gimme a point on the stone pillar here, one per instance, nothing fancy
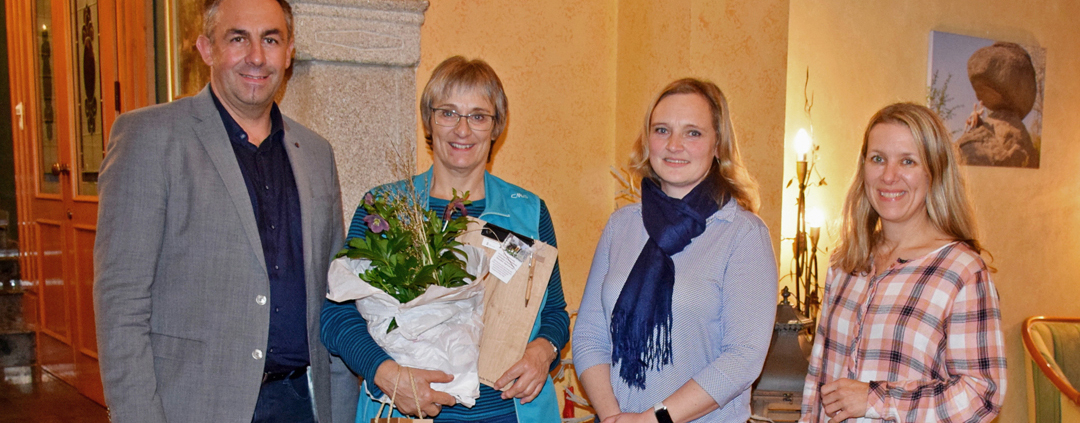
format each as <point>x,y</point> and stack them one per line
<point>354,83</point>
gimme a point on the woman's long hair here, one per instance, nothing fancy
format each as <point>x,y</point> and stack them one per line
<point>947,203</point>
<point>727,170</point>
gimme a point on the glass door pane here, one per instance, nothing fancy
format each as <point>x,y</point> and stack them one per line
<point>88,105</point>
<point>47,129</point>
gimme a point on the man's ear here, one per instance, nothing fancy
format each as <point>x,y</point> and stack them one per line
<point>289,55</point>
<point>205,50</point>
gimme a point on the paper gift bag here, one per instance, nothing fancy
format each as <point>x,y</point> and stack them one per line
<point>400,420</point>
<point>508,315</point>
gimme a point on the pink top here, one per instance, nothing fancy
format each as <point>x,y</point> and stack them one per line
<point>925,333</point>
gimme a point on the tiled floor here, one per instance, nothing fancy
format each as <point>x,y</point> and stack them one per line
<point>47,400</point>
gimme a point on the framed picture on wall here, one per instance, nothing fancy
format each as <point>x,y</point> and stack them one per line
<point>990,95</point>
<point>185,72</point>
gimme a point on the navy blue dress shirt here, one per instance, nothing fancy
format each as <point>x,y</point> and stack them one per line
<point>272,187</point>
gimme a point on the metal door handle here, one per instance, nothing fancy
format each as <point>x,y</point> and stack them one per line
<point>60,168</point>
<point>19,113</point>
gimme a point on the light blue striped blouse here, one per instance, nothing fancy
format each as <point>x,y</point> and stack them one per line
<point>723,308</point>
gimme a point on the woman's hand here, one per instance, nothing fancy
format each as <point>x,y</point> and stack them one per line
<point>528,374</point>
<point>642,417</point>
<point>431,401</point>
<point>845,399</point>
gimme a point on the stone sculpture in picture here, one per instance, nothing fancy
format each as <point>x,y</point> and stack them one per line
<point>1004,81</point>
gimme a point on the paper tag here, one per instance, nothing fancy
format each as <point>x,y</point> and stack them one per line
<point>490,243</point>
<point>508,258</point>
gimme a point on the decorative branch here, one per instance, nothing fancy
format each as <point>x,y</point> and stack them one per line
<point>630,191</point>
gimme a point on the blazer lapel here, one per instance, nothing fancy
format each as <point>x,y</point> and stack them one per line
<point>298,159</point>
<point>211,133</point>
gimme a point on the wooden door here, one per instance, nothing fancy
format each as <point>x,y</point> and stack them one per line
<point>66,83</point>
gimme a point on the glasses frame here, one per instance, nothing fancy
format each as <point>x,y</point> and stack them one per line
<point>435,119</point>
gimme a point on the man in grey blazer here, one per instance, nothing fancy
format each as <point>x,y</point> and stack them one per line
<point>218,218</point>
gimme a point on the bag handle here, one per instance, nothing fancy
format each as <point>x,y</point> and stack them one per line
<point>393,396</point>
<point>414,394</point>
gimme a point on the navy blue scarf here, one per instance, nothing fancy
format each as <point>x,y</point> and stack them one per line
<point>641,320</point>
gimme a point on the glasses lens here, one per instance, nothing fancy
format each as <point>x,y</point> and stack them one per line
<point>444,117</point>
<point>480,122</point>
<point>476,121</point>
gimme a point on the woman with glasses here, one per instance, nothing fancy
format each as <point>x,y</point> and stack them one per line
<point>910,328</point>
<point>679,306</point>
<point>464,110</point>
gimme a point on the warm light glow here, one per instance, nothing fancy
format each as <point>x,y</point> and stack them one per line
<point>43,28</point>
<point>803,143</point>
<point>814,217</point>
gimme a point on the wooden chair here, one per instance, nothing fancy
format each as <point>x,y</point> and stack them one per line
<point>1053,368</point>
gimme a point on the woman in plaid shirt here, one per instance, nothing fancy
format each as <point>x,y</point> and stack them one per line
<point>910,329</point>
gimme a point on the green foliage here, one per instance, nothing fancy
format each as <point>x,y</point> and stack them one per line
<point>412,248</point>
<point>938,99</point>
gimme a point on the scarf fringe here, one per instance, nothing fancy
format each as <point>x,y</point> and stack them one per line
<point>637,353</point>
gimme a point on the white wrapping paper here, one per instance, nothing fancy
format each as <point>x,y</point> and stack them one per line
<point>439,330</point>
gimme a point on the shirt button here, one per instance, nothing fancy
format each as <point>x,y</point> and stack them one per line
<point>266,187</point>
<point>277,309</point>
<point>273,226</point>
<point>257,354</point>
<point>276,267</point>
<point>260,299</point>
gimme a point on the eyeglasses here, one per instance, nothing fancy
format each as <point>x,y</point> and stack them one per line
<point>476,121</point>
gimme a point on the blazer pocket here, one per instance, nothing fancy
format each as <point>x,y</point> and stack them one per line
<point>174,348</point>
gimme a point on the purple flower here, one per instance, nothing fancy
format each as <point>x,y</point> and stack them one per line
<point>369,199</point>
<point>376,223</point>
<point>458,204</point>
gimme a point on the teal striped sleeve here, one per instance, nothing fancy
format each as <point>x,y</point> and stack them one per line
<point>554,320</point>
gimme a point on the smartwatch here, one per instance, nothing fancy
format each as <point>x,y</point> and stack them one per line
<point>661,412</point>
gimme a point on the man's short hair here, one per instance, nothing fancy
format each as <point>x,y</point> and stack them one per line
<point>210,8</point>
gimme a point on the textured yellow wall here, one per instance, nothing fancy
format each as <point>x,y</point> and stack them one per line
<point>864,55</point>
<point>556,62</point>
<point>579,75</point>
<point>740,45</point>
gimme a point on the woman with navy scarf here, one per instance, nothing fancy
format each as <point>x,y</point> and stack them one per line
<point>679,306</point>
<point>464,110</point>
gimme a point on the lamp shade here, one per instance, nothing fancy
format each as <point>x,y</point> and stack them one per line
<point>814,217</point>
<point>803,143</point>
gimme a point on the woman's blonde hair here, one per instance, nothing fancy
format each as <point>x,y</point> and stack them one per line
<point>947,203</point>
<point>727,171</point>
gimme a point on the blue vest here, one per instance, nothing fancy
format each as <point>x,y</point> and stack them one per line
<point>511,207</point>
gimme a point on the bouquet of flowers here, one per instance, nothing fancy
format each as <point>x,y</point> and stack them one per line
<point>418,287</point>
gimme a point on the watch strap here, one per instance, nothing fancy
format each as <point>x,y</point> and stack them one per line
<point>661,412</point>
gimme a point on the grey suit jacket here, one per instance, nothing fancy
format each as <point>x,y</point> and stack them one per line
<point>181,291</point>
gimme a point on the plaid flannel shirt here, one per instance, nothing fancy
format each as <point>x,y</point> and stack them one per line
<point>925,334</point>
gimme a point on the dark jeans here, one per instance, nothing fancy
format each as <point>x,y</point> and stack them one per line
<point>284,401</point>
